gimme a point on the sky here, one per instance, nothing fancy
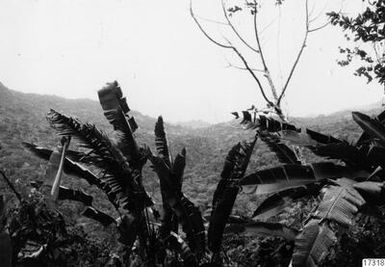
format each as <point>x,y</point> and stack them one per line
<point>165,65</point>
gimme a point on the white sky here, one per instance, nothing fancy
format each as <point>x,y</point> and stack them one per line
<point>164,64</point>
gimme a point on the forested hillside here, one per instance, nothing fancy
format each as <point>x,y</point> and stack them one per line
<point>23,119</point>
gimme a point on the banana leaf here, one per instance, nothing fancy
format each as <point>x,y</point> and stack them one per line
<point>364,138</point>
<point>374,128</point>
<point>76,195</point>
<point>70,166</point>
<point>312,244</point>
<point>328,147</point>
<point>275,203</point>
<point>340,202</point>
<point>322,138</point>
<point>263,123</point>
<point>116,111</point>
<point>262,228</point>
<point>289,175</point>
<point>188,214</point>
<point>373,192</point>
<point>283,152</point>
<point>224,196</point>
<point>122,183</point>
<point>98,216</point>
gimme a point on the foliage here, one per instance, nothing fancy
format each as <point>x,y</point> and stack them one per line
<point>367,28</point>
<point>303,194</point>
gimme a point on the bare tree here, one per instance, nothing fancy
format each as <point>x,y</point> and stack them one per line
<point>239,44</point>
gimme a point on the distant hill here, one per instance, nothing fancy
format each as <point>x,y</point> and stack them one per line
<point>22,118</point>
<point>194,124</point>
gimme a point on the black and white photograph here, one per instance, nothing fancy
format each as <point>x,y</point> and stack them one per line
<point>192,133</point>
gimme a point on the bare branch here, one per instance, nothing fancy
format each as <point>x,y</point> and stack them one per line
<point>203,31</point>
<point>235,30</point>
<point>253,75</point>
<point>211,20</point>
<point>230,65</point>
<point>230,46</point>
<point>298,55</point>
<point>319,28</point>
<point>268,76</point>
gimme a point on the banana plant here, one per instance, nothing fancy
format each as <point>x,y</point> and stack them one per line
<point>345,189</point>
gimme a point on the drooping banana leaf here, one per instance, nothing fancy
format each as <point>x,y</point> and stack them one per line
<point>234,169</point>
<point>276,203</point>
<point>282,151</point>
<point>116,111</point>
<point>76,195</point>
<point>349,154</point>
<point>312,244</point>
<point>263,123</point>
<point>70,167</point>
<point>286,176</point>
<point>373,192</point>
<point>374,128</point>
<point>329,147</point>
<point>98,216</point>
<point>340,202</point>
<point>376,155</point>
<point>364,136</point>
<point>262,228</point>
<point>119,180</point>
<point>297,138</point>
<point>45,153</point>
<point>322,138</point>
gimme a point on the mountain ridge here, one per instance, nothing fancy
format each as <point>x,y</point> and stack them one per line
<point>189,124</point>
